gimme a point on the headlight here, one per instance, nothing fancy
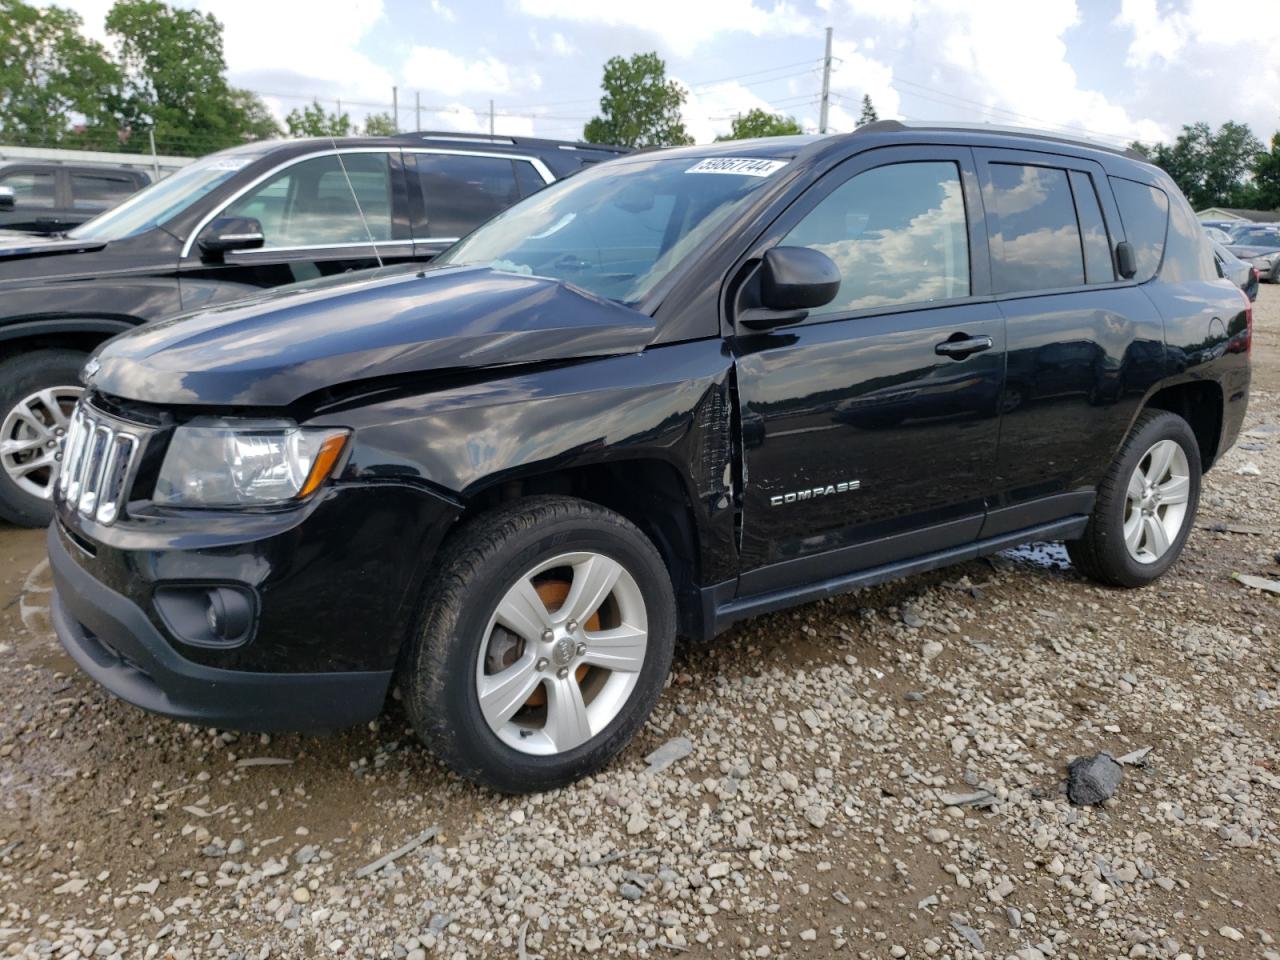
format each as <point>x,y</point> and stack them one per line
<point>225,463</point>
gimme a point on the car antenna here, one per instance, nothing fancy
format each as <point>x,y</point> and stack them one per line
<point>359,209</point>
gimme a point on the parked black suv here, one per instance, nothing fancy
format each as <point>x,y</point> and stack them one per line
<point>223,227</point>
<point>46,198</point>
<point>677,390</point>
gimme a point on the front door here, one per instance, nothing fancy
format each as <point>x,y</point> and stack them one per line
<point>321,216</point>
<point>870,429</point>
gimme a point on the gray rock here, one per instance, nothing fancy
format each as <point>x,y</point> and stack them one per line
<point>677,748</point>
<point>1093,780</point>
<point>630,891</point>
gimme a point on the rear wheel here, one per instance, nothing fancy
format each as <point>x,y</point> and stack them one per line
<point>544,644</point>
<point>1146,504</point>
<point>37,393</point>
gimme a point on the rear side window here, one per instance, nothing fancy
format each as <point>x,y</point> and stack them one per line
<point>1098,267</point>
<point>1187,254</point>
<point>1144,212</point>
<point>898,234</point>
<point>462,192</point>
<point>1036,241</point>
<point>93,191</point>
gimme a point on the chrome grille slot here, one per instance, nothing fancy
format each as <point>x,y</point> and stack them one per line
<point>99,458</point>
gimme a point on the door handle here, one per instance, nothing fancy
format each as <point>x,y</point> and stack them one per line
<point>958,346</point>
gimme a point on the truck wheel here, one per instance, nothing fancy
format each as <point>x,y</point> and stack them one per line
<point>543,645</point>
<point>37,392</point>
<point>1146,504</point>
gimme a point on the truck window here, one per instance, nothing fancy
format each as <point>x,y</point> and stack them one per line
<point>96,191</point>
<point>30,189</point>
<point>462,192</point>
<point>1035,238</point>
<point>898,234</point>
<point>1144,213</point>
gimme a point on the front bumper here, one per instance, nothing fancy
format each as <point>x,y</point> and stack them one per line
<point>113,641</point>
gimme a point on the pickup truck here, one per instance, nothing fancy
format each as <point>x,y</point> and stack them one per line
<point>676,390</point>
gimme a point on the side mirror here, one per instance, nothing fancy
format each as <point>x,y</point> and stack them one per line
<point>7,199</point>
<point>793,280</point>
<point>231,233</point>
<point>1126,260</point>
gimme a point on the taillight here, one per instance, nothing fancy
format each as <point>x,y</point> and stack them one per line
<point>1248,321</point>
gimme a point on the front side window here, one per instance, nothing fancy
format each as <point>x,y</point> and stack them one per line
<point>31,190</point>
<point>324,201</point>
<point>1035,243</point>
<point>462,192</point>
<point>898,234</point>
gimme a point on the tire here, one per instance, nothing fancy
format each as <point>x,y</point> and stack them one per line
<point>37,390</point>
<point>462,643</point>
<point>1103,554</point>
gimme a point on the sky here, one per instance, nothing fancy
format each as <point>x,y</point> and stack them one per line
<point>1111,70</point>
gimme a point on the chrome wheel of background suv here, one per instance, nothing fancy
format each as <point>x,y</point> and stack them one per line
<point>1157,501</point>
<point>31,438</point>
<point>562,653</point>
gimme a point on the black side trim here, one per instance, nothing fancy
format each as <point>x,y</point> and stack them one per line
<point>1032,513</point>
<point>728,613</point>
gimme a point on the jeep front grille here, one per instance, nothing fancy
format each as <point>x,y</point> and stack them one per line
<point>99,457</point>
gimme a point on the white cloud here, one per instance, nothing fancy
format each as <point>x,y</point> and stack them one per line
<point>462,118</point>
<point>682,25</point>
<point>443,12</point>
<point>998,61</point>
<point>709,111</point>
<point>853,75</point>
<point>432,68</point>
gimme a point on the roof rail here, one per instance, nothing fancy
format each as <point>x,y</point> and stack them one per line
<point>1054,136</point>
<point>457,137</point>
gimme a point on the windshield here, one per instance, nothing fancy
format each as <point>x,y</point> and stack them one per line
<point>617,229</point>
<point>164,199</point>
<point>1257,237</point>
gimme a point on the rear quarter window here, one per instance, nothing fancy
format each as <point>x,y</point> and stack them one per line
<point>1187,253</point>
<point>1144,214</point>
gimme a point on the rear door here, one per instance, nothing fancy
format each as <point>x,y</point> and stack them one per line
<point>1084,346</point>
<point>453,192</point>
<point>866,440</point>
<point>321,215</point>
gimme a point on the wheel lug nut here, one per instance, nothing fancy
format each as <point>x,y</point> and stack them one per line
<point>548,634</point>
<point>562,672</point>
<point>571,626</point>
<point>541,664</point>
<point>582,649</point>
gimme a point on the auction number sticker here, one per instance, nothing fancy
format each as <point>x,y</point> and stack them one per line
<point>743,166</point>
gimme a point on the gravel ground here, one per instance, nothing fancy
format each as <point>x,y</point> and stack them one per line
<point>899,790</point>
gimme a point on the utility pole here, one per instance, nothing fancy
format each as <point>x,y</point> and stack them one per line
<point>417,109</point>
<point>155,161</point>
<point>491,118</point>
<point>395,109</point>
<point>826,86</point>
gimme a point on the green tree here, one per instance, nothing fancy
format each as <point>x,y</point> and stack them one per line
<point>315,121</point>
<point>640,106</point>
<point>379,125</point>
<point>52,76</point>
<point>175,79</point>
<point>1209,167</point>
<point>761,123</point>
<point>1266,177</point>
<point>868,114</point>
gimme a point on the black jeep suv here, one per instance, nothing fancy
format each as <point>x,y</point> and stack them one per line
<point>676,390</point>
<point>229,225</point>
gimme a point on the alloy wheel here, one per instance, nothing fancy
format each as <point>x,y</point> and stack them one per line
<point>1156,501</point>
<point>562,653</point>
<point>31,438</point>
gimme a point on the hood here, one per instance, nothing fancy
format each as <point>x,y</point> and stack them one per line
<point>15,245</point>
<point>277,348</point>
<point>1246,252</point>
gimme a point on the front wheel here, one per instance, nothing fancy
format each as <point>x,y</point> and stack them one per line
<point>1146,504</point>
<point>544,644</point>
<point>37,392</point>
